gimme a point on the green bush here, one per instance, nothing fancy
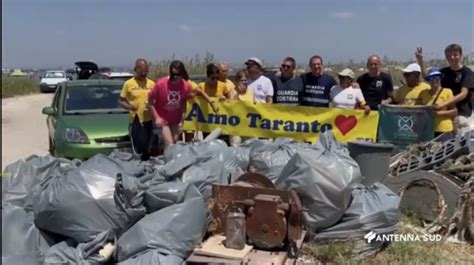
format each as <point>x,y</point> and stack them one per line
<point>15,86</point>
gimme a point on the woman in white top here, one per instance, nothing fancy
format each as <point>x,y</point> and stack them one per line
<point>344,96</point>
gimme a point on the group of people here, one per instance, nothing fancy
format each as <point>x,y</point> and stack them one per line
<point>161,104</point>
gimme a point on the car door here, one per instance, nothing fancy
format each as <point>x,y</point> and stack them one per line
<point>52,120</point>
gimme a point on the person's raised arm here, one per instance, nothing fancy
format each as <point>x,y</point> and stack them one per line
<point>420,60</point>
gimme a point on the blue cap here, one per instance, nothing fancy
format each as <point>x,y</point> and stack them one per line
<point>434,71</point>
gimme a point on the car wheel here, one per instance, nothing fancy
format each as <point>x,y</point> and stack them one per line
<point>52,148</point>
<point>42,90</point>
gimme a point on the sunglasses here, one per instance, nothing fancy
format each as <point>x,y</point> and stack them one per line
<point>285,66</point>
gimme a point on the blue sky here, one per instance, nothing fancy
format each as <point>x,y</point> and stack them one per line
<point>51,33</point>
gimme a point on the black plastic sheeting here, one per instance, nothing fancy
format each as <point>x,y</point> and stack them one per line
<point>61,211</point>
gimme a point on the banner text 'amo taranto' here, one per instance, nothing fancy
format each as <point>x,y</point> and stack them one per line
<point>272,121</point>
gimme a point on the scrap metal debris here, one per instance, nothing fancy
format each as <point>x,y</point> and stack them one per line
<point>461,167</point>
<point>460,227</point>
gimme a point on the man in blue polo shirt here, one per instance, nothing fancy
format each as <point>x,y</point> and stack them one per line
<point>316,85</point>
<point>287,87</point>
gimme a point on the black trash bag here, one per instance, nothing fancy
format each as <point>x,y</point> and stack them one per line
<point>227,156</point>
<point>20,237</point>
<point>83,253</point>
<point>22,260</point>
<point>84,202</point>
<point>20,177</point>
<point>150,168</point>
<point>243,151</point>
<point>324,181</point>
<point>166,194</point>
<point>174,230</point>
<point>196,163</point>
<point>183,155</point>
<point>153,257</point>
<point>270,159</point>
<point>372,208</point>
<point>204,174</point>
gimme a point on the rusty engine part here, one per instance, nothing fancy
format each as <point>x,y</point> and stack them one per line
<point>273,217</point>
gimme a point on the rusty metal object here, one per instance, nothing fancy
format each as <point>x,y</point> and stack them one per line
<point>274,217</point>
<point>266,222</point>
<point>254,180</point>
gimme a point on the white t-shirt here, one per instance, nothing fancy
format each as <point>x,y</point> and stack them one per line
<point>262,87</point>
<point>346,98</point>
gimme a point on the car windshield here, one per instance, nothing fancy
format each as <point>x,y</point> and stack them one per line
<point>93,99</point>
<point>54,75</point>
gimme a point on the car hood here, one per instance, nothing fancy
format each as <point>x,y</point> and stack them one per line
<point>53,81</point>
<point>99,125</point>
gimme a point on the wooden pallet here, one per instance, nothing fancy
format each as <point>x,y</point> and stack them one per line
<point>255,257</point>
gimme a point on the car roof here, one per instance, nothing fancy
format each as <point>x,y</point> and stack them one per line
<point>86,65</point>
<point>55,71</point>
<point>117,74</point>
<point>93,82</point>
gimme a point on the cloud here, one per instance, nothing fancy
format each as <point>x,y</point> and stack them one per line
<point>343,15</point>
<point>185,28</point>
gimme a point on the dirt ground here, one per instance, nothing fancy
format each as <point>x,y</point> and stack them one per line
<point>24,130</point>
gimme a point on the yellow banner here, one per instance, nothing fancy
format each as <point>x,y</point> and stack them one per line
<point>276,120</point>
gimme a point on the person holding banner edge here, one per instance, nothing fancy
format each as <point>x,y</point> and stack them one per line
<point>409,94</point>
<point>261,85</point>
<point>376,86</point>
<point>345,96</point>
<point>458,78</point>
<point>439,95</point>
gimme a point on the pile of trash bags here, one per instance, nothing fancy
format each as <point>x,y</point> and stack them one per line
<point>116,209</point>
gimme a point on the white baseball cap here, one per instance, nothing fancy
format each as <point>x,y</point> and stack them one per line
<point>255,60</point>
<point>414,67</point>
<point>347,72</point>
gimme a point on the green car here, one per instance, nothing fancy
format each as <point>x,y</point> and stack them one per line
<point>85,119</point>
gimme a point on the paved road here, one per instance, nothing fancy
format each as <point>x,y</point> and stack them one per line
<point>24,130</point>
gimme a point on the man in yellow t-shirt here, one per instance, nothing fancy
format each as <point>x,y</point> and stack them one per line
<point>223,74</point>
<point>212,86</point>
<point>437,95</point>
<point>134,98</point>
<point>409,94</point>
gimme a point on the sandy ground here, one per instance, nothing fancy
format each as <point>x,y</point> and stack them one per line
<point>24,130</point>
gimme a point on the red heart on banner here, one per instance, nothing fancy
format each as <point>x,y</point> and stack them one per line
<point>345,124</point>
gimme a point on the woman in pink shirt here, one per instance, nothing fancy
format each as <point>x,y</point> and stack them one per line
<point>168,101</point>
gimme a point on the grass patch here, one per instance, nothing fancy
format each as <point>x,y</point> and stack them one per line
<point>396,253</point>
<point>15,86</point>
